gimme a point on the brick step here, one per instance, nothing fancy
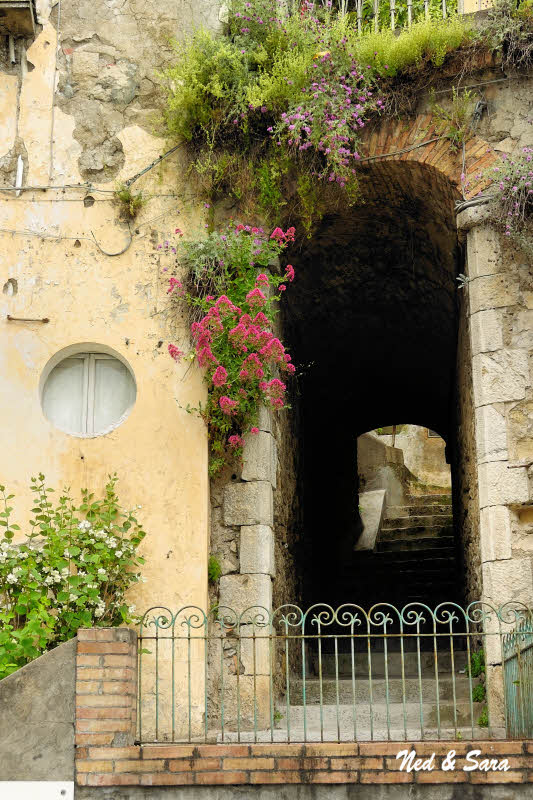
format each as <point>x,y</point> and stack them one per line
<point>394,714</point>
<point>422,521</point>
<point>398,689</point>
<point>434,544</point>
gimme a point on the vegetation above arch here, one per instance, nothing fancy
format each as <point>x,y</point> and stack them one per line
<point>274,108</point>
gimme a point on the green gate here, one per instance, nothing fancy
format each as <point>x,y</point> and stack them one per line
<point>518,679</point>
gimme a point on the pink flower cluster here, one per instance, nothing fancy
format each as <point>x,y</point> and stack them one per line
<point>235,344</point>
<point>274,391</point>
<point>175,352</point>
<point>173,284</point>
<point>283,237</point>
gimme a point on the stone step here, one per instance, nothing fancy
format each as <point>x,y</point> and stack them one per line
<point>362,734</point>
<point>428,499</point>
<point>398,690</point>
<point>446,544</point>
<point>413,510</point>
<point>432,560</point>
<point>424,714</point>
<point>394,662</point>
<point>416,531</point>
<point>422,521</point>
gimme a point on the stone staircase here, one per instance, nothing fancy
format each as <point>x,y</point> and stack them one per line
<point>414,559</point>
<point>398,704</point>
<point>416,542</point>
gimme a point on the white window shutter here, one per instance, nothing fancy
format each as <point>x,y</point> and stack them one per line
<point>114,392</point>
<point>65,395</point>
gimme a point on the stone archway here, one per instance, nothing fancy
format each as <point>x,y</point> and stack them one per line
<point>418,141</point>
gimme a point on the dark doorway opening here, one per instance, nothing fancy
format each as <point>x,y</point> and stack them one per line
<point>373,317</point>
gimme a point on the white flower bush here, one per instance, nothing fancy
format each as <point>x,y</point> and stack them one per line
<point>72,570</point>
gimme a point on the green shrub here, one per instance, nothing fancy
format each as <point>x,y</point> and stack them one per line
<point>205,85</point>
<point>479,693</point>
<point>72,570</point>
<point>477,664</point>
<point>483,719</point>
<point>129,202</point>
<point>214,570</point>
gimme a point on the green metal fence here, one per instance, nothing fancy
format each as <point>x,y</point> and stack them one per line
<point>518,672</point>
<point>342,674</point>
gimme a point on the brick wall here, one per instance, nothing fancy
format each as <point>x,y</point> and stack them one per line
<point>107,756</point>
<point>106,687</point>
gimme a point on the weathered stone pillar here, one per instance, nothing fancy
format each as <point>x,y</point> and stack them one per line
<point>498,300</point>
<point>248,505</point>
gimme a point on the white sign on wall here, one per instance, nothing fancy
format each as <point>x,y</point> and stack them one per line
<point>36,790</point>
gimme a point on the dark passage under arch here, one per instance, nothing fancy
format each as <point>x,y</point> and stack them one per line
<point>373,320</point>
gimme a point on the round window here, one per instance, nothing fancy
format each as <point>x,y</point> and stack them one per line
<point>88,393</point>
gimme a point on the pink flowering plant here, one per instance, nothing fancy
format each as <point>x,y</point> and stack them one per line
<point>513,181</point>
<point>244,362</point>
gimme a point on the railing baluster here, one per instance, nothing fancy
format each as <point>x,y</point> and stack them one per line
<point>206,655</point>
<point>304,698</point>
<point>270,679</point>
<point>173,689</point>
<point>320,683</point>
<point>353,683</point>
<point>156,683</point>
<point>238,681</point>
<point>337,689</point>
<point>386,660</point>
<point>189,678</point>
<point>139,683</point>
<point>221,638</point>
<point>469,673</point>
<point>287,682</point>
<point>436,665</point>
<point>419,662</point>
<point>370,693</point>
<point>255,681</point>
<point>452,664</point>
<point>402,660</point>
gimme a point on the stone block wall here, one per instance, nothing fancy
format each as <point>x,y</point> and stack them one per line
<point>501,338</point>
<point>500,303</point>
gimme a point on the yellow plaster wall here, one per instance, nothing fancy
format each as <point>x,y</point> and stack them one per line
<point>160,451</point>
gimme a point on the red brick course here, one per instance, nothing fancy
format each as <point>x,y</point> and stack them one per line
<point>107,756</point>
